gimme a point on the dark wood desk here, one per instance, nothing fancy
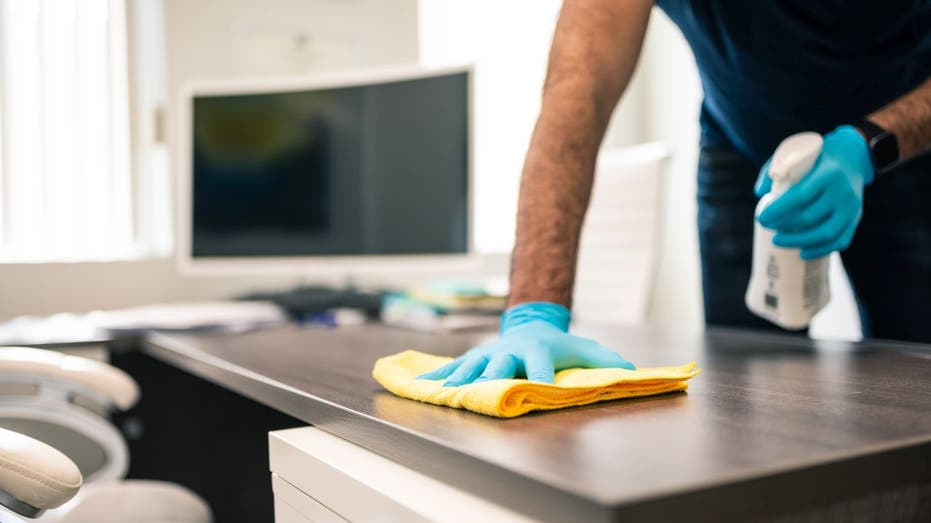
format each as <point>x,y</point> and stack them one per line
<point>774,428</point>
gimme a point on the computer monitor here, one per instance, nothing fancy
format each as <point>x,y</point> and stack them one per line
<point>365,171</point>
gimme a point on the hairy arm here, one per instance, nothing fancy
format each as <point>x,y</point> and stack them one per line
<point>909,118</point>
<point>594,52</point>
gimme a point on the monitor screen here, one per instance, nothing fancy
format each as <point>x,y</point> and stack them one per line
<point>376,169</point>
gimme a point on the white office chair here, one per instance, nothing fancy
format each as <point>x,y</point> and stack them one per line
<point>619,246</point>
<point>63,401</point>
<point>34,477</point>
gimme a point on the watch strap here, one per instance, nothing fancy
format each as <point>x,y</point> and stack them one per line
<point>883,145</point>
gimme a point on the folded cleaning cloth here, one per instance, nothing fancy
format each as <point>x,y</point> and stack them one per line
<point>510,398</point>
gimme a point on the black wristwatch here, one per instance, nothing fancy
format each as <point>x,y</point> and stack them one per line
<point>884,148</point>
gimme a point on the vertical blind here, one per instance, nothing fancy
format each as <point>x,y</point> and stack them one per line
<point>65,176</point>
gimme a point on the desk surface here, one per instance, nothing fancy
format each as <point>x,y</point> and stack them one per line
<point>773,424</point>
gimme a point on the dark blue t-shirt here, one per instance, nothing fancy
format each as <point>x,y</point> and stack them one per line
<point>776,67</point>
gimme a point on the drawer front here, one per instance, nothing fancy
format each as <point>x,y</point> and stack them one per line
<point>285,513</point>
<point>361,486</point>
<point>294,506</point>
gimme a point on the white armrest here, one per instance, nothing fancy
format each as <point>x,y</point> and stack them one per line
<point>107,380</point>
<point>34,476</point>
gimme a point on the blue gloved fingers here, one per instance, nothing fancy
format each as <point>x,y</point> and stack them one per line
<point>539,366</point>
<point>839,244</point>
<point>806,218</point>
<point>466,373</point>
<point>835,234</point>
<point>796,198</point>
<point>825,234</point>
<point>443,371</point>
<point>603,357</point>
<point>763,181</point>
<point>501,366</point>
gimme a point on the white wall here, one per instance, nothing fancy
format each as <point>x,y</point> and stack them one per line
<point>510,63</point>
<point>229,38</point>
<point>39,289</point>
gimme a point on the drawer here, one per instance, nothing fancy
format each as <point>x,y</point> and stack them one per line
<point>358,485</point>
<point>294,506</point>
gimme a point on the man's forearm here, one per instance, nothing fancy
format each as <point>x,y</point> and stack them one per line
<point>909,118</point>
<point>554,194</point>
<point>594,52</point>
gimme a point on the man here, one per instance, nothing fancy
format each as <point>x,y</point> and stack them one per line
<point>857,72</point>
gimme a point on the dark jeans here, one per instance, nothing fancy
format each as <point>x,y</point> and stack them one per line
<point>888,262</point>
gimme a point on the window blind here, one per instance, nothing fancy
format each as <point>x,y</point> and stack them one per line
<point>65,174</point>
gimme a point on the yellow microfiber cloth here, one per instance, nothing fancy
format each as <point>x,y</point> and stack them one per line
<point>514,397</point>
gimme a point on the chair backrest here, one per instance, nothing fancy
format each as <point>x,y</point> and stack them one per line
<point>619,247</point>
<point>104,382</point>
<point>34,477</point>
<point>65,402</point>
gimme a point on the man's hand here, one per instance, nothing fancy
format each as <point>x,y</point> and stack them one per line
<point>820,213</point>
<point>533,344</point>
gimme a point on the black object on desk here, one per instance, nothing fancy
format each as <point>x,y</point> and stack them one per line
<point>302,302</point>
<point>775,428</point>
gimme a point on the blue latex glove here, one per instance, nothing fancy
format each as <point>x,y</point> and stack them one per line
<point>820,213</point>
<point>534,343</point>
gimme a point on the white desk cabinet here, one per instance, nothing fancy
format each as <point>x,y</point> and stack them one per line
<point>320,478</point>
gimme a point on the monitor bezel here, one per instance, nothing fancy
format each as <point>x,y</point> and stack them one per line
<point>324,265</point>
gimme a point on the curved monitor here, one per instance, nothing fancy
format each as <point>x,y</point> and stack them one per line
<point>371,169</point>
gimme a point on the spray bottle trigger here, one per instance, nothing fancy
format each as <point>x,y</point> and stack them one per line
<point>794,157</point>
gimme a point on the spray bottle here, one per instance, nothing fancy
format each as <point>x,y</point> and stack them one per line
<point>784,288</point>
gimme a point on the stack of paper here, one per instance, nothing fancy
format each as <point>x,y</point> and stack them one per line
<point>443,307</point>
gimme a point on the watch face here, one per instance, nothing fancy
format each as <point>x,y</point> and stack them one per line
<point>885,150</point>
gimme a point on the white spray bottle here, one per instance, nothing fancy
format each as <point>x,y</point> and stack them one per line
<point>784,288</point>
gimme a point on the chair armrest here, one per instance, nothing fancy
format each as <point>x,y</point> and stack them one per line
<point>34,476</point>
<point>108,381</point>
